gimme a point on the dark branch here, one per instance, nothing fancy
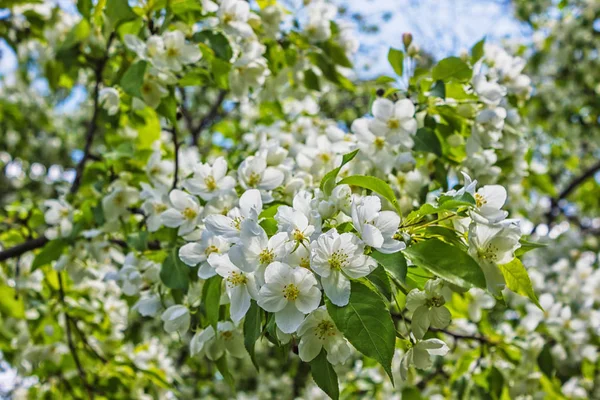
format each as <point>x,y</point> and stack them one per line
<point>456,336</point>
<point>70,342</point>
<point>79,169</point>
<point>570,188</point>
<point>19,249</point>
<point>210,116</point>
<point>89,137</point>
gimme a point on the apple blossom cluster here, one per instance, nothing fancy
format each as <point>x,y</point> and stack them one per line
<point>495,134</point>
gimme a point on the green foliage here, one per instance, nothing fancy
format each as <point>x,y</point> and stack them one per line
<point>518,280</point>
<point>372,183</point>
<point>396,60</point>
<point>174,273</point>
<point>452,69</point>
<point>447,262</point>
<point>367,324</point>
<point>324,375</point>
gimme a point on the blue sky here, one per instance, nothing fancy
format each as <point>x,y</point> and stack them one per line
<point>440,27</point>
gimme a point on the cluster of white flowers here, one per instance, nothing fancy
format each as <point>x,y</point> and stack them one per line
<point>495,134</point>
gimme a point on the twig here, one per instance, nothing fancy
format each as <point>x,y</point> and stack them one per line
<point>42,240</point>
<point>457,336</point>
<point>209,117</point>
<point>554,206</point>
<point>24,247</point>
<point>70,342</point>
<point>89,137</point>
<point>176,155</point>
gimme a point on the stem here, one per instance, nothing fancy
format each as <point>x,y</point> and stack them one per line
<point>89,137</point>
<point>70,342</point>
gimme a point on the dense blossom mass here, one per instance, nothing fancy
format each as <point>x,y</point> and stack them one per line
<point>221,222</point>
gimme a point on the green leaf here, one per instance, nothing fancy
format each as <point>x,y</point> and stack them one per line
<point>477,51</point>
<point>79,33</point>
<point>382,80</point>
<point>50,252</point>
<point>517,280</point>
<point>394,263</point>
<point>11,304</point>
<point>528,246</point>
<point>270,211</point>
<point>133,79</point>
<point>495,381</point>
<point>367,324</point>
<point>453,202</point>
<point>380,280</point>
<point>168,108</point>
<point>311,80</point>
<point>328,181</point>
<point>546,361</point>
<point>211,298</point>
<point>85,8</point>
<point>452,68</point>
<point>374,184</point>
<point>269,225</point>
<point>220,71</point>
<point>149,132</point>
<point>117,12</point>
<point>216,41</point>
<point>174,273</point>
<point>324,375</point>
<point>337,54</point>
<point>426,140</point>
<point>252,323</point>
<point>448,262</point>
<point>223,368</point>
<point>396,59</point>
<point>438,89</point>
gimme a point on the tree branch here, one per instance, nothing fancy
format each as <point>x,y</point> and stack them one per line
<point>456,336</point>
<point>555,210</point>
<point>70,342</point>
<point>89,137</point>
<point>79,169</point>
<point>19,249</point>
<point>209,117</point>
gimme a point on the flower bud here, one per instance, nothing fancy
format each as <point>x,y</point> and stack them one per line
<point>407,39</point>
<point>413,50</point>
<point>176,319</point>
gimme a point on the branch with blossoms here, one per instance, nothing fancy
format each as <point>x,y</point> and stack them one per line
<point>295,236</point>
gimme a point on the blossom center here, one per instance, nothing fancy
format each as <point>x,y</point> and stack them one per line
<point>211,249</point>
<point>291,292</point>
<point>435,301</point>
<point>172,52</point>
<point>227,335</point>
<point>158,208</point>
<point>266,256</point>
<point>324,329</point>
<point>189,213</point>
<point>479,200</point>
<point>393,123</point>
<point>379,142</point>
<point>298,235</point>
<point>254,179</point>
<point>338,260</point>
<point>210,183</point>
<point>235,279</point>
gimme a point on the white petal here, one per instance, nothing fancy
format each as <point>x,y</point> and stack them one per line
<point>420,322</point>
<point>383,109</point>
<point>337,288</point>
<point>309,300</point>
<point>289,319</point>
<point>372,236</point>
<point>310,347</point>
<point>192,254</point>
